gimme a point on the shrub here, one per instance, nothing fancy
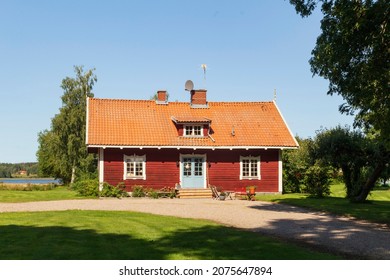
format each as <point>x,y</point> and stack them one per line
<point>317,180</point>
<point>87,187</point>
<point>152,193</point>
<point>138,191</point>
<point>170,190</point>
<point>112,191</point>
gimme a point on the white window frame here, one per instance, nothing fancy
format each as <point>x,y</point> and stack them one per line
<point>250,177</point>
<point>186,128</point>
<point>133,159</point>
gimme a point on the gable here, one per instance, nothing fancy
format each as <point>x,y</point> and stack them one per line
<point>145,123</point>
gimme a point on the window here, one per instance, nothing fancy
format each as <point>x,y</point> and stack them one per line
<point>193,130</point>
<point>198,166</point>
<point>250,168</point>
<point>134,167</point>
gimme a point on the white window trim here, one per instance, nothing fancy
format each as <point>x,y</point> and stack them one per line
<point>193,130</point>
<point>257,158</point>
<point>134,157</point>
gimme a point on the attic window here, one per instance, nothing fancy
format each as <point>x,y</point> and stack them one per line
<point>193,130</point>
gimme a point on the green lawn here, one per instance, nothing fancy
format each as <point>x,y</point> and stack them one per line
<point>58,193</point>
<point>127,235</point>
<point>376,209</point>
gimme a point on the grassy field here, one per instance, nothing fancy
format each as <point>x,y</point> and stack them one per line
<point>126,235</point>
<point>376,209</point>
<point>58,193</point>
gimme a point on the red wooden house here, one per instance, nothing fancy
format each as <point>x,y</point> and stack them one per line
<point>195,144</point>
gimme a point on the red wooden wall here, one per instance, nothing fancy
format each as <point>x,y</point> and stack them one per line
<point>223,168</point>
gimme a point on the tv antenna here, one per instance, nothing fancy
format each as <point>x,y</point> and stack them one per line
<point>204,67</point>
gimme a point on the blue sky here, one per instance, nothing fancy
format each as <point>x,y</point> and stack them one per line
<point>138,47</point>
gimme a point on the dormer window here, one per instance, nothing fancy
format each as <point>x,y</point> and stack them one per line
<point>193,130</point>
<point>190,126</point>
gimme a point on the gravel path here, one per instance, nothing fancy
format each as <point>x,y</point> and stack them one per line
<point>356,239</point>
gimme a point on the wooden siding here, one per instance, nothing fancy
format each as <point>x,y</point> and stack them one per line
<point>161,168</point>
<point>223,168</point>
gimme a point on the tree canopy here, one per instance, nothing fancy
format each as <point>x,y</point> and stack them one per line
<point>62,151</point>
<point>353,54</point>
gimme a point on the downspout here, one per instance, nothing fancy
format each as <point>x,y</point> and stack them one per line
<point>280,173</point>
<point>101,168</point>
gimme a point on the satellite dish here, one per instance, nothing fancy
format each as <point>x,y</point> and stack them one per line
<point>189,85</point>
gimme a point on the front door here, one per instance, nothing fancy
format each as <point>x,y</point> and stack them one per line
<point>193,171</point>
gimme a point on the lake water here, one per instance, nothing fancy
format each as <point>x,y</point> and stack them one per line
<point>30,181</point>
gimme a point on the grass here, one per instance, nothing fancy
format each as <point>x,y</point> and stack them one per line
<point>127,235</point>
<point>57,193</point>
<point>375,209</point>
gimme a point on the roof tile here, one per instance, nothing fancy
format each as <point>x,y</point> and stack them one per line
<point>115,122</point>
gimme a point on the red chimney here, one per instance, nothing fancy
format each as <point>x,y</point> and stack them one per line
<point>162,97</point>
<point>198,98</point>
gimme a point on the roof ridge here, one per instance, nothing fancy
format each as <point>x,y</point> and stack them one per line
<point>183,102</point>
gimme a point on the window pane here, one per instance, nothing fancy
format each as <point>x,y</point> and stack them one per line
<point>128,168</point>
<point>187,166</point>
<point>245,168</point>
<point>253,168</point>
<point>189,130</point>
<point>138,169</point>
<point>197,130</point>
<point>198,166</point>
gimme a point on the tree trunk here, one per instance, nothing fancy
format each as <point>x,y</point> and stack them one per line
<point>73,174</point>
<point>370,183</point>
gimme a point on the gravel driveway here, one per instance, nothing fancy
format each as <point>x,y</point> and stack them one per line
<point>356,239</point>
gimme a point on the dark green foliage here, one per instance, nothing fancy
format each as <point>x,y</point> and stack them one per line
<point>112,191</point>
<point>9,170</point>
<point>152,193</point>
<point>344,149</point>
<point>317,180</point>
<point>87,187</point>
<point>352,152</point>
<point>295,164</point>
<point>62,152</point>
<point>352,53</point>
<point>138,191</point>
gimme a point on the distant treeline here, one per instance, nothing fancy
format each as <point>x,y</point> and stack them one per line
<point>9,170</point>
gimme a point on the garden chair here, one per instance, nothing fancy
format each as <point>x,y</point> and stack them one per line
<point>241,194</point>
<point>220,195</point>
<point>215,192</point>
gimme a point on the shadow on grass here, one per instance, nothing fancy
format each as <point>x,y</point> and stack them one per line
<point>207,242</point>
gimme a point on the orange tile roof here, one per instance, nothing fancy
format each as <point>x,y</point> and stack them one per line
<point>143,123</point>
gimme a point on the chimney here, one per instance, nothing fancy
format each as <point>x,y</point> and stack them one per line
<point>162,97</point>
<point>198,98</point>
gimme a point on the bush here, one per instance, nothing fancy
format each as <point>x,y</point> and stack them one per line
<point>112,191</point>
<point>153,194</point>
<point>87,187</point>
<point>138,191</point>
<point>171,191</point>
<point>317,180</point>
